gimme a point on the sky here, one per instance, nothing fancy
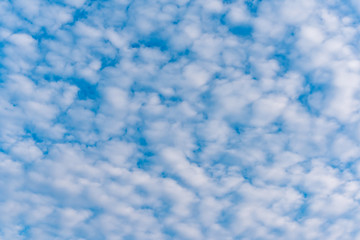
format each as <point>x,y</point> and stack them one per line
<point>179,119</point>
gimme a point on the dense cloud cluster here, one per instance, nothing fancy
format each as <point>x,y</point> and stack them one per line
<point>179,119</point>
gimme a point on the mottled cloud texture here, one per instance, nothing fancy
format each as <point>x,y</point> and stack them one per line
<point>179,119</point>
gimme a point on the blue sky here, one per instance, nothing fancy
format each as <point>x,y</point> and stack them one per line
<point>182,119</point>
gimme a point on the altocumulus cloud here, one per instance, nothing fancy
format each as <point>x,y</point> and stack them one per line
<point>181,119</point>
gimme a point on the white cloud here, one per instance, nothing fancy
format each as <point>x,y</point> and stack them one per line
<point>267,109</point>
<point>179,119</point>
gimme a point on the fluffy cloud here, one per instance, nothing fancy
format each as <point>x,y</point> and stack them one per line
<point>179,119</point>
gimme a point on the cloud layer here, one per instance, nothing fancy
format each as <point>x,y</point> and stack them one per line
<point>180,119</point>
